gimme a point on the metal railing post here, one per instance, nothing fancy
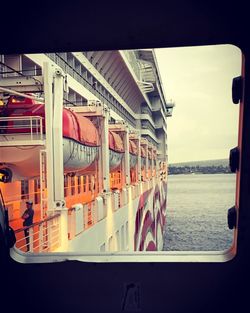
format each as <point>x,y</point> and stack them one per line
<point>31,128</point>
<point>49,235</point>
<point>40,241</point>
<point>126,156</point>
<point>31,239</point>
<point>41,128</point>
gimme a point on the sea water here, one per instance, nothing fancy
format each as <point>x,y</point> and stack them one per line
<point>197,208</point>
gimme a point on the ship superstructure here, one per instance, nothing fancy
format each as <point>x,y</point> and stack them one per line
<point>84,136</point>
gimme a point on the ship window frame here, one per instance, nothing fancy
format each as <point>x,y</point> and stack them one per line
<point>147,252</point>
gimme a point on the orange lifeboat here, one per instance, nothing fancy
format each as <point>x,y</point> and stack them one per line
<point>80,139</point>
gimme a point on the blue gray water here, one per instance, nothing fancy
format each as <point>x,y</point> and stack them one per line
<point>197,212</point>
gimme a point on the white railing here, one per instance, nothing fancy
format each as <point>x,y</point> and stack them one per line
<point>43,236</point>
<point>123,197</point>
<point>136,190</point>
<point>145,186</point>
<point>115,200</point>
<point>90,214</point>
<point>81,217</point>
<point>22,125</point>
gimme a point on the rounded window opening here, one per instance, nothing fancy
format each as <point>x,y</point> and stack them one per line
<point>137,168</point>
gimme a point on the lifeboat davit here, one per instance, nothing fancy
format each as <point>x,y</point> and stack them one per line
<point>150,156</point>
<point>116,150</point>
<point>154,157</point>
<point>133,154</point>
<point>143,157</point>
<point>80,139</point>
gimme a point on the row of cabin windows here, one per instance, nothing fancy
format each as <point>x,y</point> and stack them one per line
<point>69,66</point>
<point>16,63</point>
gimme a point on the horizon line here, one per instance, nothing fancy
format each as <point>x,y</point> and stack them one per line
<point>199,161</point>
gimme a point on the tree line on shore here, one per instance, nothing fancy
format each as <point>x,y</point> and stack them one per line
<point>205,169</point>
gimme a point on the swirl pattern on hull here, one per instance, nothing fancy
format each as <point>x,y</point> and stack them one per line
<point>151,219</point>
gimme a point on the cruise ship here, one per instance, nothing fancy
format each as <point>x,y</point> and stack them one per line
<point>83,135</point>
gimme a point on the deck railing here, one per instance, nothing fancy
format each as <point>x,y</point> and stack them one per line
<point>136,191</point>
<point>22,125</point>
<point>43,236</point>
<point>81,217</point>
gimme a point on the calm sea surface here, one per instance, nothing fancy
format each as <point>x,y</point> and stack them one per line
<point>197,212</point>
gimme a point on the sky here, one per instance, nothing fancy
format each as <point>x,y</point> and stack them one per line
<point>204,125</point>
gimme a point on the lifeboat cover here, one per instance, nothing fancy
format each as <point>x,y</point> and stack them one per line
<point>80,128</point>
<point>115,142</point>
<point>143,152</point>
<point>132,147</point>
<point>87,131</point>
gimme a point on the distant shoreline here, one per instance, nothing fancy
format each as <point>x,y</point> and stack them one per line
<point>199,173</point>
<point>214,162</point>
<point>201,167</point>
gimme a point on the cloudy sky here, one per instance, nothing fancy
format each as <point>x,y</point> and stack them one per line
<point>204,124</point>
